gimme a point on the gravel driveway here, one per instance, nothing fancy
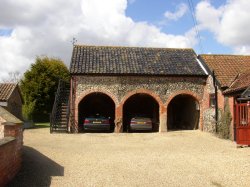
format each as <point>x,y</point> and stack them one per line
<point>183,158</point>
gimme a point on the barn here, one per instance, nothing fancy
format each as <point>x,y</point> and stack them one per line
<point>166,84</point>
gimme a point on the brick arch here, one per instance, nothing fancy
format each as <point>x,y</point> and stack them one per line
<point>97,90</point>
<point>183,92</point>
<point>88,92</point>
<point>142,91</point>
<point>156,97</point>
<point>193,95</point>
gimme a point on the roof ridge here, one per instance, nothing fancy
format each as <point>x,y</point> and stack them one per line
<point>224,55</point>
<point>112,46</point>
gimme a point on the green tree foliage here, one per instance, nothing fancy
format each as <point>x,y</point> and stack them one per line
<point>39,86</point>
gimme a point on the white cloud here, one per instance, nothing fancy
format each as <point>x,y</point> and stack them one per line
<point>208,16</point>
<point>242,49</point>
<point>229,23</point>
<point>45,27</point>
<point>181,10</point>
<point>131,1</point>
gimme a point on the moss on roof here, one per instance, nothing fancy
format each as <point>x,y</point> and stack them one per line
<point>134,61</point>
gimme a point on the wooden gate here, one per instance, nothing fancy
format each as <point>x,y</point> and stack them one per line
<point>243,123</point>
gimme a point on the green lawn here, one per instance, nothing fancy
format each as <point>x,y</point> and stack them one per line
<point>42,125</point>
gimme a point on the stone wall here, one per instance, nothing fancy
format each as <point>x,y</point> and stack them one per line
<point>209,123</point>
<point>119,88</point>
<point>10,152</point>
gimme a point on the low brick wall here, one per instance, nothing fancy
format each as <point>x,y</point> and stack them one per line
<point>10,152</point>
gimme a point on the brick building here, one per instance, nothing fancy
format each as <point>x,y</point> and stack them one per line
<point>232,80</point>
<point>11,99</point>
<point>119,82</point>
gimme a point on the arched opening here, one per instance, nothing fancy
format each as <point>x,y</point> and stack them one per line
<point>183,113</point>
<point>96,104</point>
<point>141,105</point>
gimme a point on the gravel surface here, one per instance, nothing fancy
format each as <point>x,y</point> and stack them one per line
<point>181,158</point>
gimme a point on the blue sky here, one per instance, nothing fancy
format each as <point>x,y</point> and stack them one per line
<point>153,12</point>
<point>5,32</point>
<point>44,27</point>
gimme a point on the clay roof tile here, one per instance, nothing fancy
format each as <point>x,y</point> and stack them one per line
<point>134,61</point>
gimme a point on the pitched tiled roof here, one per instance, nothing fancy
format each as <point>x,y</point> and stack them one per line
<point>226,67</point>
<point>241,83</point>
<point>134,61</point>
<point>6,90</point>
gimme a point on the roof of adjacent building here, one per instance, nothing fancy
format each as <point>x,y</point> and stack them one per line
<point>134,61</point>
<point>6,90</point>
<point>8,117</point>
<point>246,93</point>
<point>242,82</point>
<point>226,67</point>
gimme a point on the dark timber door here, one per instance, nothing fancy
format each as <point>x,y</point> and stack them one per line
<point>243,123</point>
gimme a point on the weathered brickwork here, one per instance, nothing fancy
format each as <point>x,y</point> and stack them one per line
<point>10,152</point>
<point>209,112</point>
<point>162,89</point>
<point>209,123</point>
<point>120,86</point>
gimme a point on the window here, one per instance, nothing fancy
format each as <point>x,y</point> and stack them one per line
<point>212,100</point>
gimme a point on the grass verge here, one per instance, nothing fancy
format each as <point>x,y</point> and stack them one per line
<point>42,125</point>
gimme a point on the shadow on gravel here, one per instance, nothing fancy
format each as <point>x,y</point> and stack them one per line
<point>36,170</point>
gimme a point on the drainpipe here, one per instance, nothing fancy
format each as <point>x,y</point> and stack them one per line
<point>216,102</point>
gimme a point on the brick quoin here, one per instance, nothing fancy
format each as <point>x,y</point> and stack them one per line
<point>91,91</point>
<point>189,93</point>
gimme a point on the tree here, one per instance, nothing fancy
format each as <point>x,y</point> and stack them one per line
<point>13,77</point>
<point>39,85</point>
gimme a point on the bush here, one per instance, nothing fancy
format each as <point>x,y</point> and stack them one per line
<point>28,110</point>
<point>225,122</point>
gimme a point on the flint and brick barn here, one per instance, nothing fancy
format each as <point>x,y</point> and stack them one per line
<point>120,82</point>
